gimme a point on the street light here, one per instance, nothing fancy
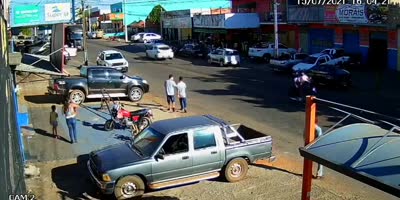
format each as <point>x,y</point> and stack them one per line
<point>276,4</point>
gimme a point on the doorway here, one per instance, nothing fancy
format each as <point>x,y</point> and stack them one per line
<point>378,54</point>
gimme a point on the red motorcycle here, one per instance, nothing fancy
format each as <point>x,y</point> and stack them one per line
<point>135,120</point>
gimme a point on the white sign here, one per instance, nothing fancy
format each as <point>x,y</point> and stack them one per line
<point>57,12</point>
<point>209,21</point>
<point>348,13</point>
<point>185,22</point>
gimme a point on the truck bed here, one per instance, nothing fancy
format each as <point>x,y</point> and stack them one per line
<point>256,144</point>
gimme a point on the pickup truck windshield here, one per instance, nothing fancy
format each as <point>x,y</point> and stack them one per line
<point>113,56</point>
<point>231,53</point>
<point>76,36</point>
<point>310,60</point>
<point>147,141</point>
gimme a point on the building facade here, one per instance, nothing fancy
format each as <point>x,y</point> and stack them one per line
<point>367,32</point>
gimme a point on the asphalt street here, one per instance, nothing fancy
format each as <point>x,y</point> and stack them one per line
<point>253,95</point>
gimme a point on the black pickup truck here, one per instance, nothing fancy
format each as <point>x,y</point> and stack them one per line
<point>94,80</point>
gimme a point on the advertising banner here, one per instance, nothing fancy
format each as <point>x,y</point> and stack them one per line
<point>57,12</point>
<point>40,14</point>
<point>209,21</point>
<point>356,14</point>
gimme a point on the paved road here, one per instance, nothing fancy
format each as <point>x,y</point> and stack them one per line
<point>249,94</point>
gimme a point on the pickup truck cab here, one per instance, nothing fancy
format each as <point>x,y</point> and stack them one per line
<point>175,152</point>
<point>337,56</point>
<point>312,61</point>
<point>267,50</point>
<point>94,80</point>
<point>113,59</point>
<point>285,62</point>
<point>224,56</point>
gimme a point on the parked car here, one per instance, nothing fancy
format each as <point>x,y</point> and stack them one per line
<point>93,80</point>
<point>178,151</point>
<point>20,40</point>
<point>150,44</point>
<point>160,51</point>
<point>329,74</point>
<point>147,37</point>
<point>39,48</point>
<point>338,55</point>
<point>113,59</point>
<point>285,62</point>
<point>224,56</point>
<point>266,51</point>
<point>99,34</point>
<point>92,35</point>
<point>136,37</point>
<point>193,50</point>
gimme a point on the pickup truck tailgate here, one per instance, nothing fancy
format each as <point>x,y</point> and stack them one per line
<point>256,145</point>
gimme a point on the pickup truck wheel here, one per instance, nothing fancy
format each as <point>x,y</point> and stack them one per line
<point>135,94</point>
<point>129,187</point>
<point>221,63</point>
<point>209,61</point>
<point>77,96</point>
<point>236,170</point>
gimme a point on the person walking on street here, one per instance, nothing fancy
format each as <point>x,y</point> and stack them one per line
<point>318,133</point>
<point>70,111</point>
<point>54,120</point>
<point>170,86</point>
<point>182,94</point>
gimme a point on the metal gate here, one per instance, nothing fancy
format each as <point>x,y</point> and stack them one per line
<point>320,39</point>
<point>351,42</point>
<point>11,162</point>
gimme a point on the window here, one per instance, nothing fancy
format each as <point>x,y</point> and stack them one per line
<point>163,48</point>
<point>99,74</point>
<point>147,141</point>
<point>231,53</point>
<point>113,56</point>
<point>114,74</point>
<point>219,52</point>
<point>281,46</point>
<point>176,144</point>
<point>203,139</point>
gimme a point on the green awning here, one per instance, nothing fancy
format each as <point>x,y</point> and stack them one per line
<point>207,30</point>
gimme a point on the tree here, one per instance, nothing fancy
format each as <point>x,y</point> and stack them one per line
<point>26,31</point>
<point>155,14</point>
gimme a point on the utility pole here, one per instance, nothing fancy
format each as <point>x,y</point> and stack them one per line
<point>125,25</point>
<point>90,23</point>
<point>73,11</point>
<point>276,4</point>
<point>84,34</point>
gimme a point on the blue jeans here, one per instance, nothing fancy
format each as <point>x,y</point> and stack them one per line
<point>183,103</point>
<point>71,123</point>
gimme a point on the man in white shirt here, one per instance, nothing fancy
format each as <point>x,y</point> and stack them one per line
<point>182,94</point>
<point>170,92</point>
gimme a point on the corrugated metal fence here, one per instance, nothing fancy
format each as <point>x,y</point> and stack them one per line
<point>11,162</point>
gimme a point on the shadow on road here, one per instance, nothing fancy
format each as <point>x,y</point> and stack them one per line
<point>131,48</point>
<point>276,169</point>
<point>45,133</point>
<point>73,180</point>
<point>44,99</point>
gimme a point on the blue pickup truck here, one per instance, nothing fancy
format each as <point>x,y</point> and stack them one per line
<point>178,151</point>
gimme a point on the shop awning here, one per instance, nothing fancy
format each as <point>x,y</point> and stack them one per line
<point>211,31</point>
<point>362,151</point>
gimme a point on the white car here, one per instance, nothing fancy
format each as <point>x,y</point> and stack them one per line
<point>267,50</point>
<point>148,37</point>
<point>312,61</point>
<point>113,59</point>
<point>224,57</point>
<point>160,51</point>
<point>137,37</point>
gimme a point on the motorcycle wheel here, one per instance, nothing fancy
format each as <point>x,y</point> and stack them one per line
<point>109,125</point>
<point>144,123</point>
<point>134,130</point>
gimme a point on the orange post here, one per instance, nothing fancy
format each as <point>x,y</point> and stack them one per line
<point>309,136</point>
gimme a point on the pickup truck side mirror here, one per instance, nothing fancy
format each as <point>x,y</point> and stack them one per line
<point>159,156</point>
<point>122,77</point>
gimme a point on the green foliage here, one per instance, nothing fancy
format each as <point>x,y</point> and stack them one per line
<point>155,14</point>
<point>26,31</point>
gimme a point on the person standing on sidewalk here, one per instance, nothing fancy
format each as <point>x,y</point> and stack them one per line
<point>54,121</point>
<point>318,133</point>
<point>170,86</point>
<point>182,94</point>
<point>70,110</point>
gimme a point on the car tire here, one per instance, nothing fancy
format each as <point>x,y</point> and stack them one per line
<point>144,123</point>
<point>267,58</point>
<point>236,170</point>
<point>209,61</point>
<point>129,187</point>
<point>145,41</point>
<point>135,94</point>
<point>221,63</point>
<point>109,125</point>
<point>77,96</point>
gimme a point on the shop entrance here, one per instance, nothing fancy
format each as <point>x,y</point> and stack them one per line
<point>378,54</point>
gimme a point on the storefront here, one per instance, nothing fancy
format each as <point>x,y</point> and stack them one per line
<point>361,34</point>
<point>231,28</point>
<point>117,21</point>
<point>177,25</point>
<point>320,39</point>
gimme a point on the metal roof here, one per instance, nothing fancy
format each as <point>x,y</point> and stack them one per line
<point>362,151</point>
<point>182,123</point>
